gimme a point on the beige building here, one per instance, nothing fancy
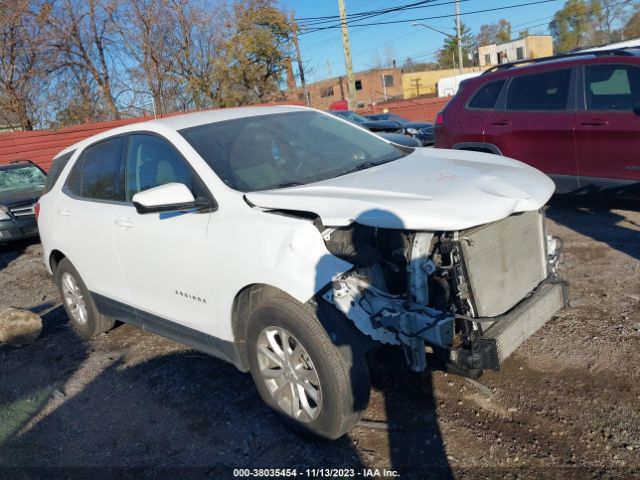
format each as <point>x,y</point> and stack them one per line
<point>372,86</point>
<point>533,46</point>
<point>415,84</point>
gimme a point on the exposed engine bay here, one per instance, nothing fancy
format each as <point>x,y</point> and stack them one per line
<point>448,289</point>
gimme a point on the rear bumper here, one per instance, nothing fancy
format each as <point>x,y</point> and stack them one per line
<point>510,330</point>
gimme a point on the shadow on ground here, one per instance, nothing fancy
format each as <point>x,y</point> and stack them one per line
<point>184,410</point>
<point>595,217</point>
<point>10,251</point>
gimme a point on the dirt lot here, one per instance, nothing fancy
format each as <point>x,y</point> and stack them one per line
<point>566,405</point>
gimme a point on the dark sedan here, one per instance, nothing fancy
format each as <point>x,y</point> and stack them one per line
<point>388,130</point>
<point>423,131</point>
<point>21,184</point>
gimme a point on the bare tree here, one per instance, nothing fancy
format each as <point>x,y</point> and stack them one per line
<point>608,18</point>
<point>146,29</point>
<point>84,35</point>
<point>23,59</point>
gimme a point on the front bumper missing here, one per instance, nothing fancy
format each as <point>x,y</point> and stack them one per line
<point>510,330</point>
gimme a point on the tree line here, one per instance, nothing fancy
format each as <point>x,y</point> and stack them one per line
<point>64,62</point>
<point>578,24</point>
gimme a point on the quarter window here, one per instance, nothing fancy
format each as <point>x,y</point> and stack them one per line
<point>612,87</point>
<point>487,96</point>
<point>540,91</point>
<point>152,162</point>
<point>98,173</point>
<point>55,170</point>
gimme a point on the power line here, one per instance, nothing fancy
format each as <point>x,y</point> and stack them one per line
<point>433,17</point>
<point>366,12</point>
<point>375,13</point>
<point>567,17</point>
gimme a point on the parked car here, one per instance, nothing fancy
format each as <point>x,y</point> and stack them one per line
<point>21,183</point>
<point>388,130</point>
<point>575,117</point>
<point>294,254</point>
<point>423,131</point>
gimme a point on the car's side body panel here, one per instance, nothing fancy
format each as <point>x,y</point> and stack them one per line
<point>264,248</point>
<point>578,147</point>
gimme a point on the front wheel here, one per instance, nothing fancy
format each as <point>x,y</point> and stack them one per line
<point>299,372</point>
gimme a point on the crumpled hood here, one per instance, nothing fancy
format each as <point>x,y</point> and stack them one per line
<point>430,189</point>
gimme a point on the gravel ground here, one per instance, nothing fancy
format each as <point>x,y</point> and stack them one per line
<point>565,405</point>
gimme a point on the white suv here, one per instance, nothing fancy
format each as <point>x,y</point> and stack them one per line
<point>290,242</point>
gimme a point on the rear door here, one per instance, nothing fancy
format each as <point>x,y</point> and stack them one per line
<point>92,195</point>
<point>478,109</point>
<point>607,130</point>
<point>534,121</point>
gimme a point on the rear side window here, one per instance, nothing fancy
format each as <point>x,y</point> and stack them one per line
<point>99,172</point>
<point>56,169</point>
<point>612,87</point>
<point>487,96</point>
<point>540,91</point>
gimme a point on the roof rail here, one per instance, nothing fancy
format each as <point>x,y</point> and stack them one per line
<point>625,51</point>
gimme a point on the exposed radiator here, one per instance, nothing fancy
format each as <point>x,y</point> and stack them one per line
<point>505,261</point>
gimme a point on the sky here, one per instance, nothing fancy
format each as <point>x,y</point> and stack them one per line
<point>322,52</point>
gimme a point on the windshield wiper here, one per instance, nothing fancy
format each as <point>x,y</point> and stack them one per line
<point>364,166</point>
<point>289,184</point>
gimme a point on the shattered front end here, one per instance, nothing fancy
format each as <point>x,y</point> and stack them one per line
<point>477,293</point>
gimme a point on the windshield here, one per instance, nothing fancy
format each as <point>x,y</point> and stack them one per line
<point>286,149</point>
<point>21,178</point>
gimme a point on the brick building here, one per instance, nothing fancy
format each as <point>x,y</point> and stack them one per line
<point>372,86</point>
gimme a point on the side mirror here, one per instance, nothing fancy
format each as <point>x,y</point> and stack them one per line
<point>171,197</point>
<point>636,109</point>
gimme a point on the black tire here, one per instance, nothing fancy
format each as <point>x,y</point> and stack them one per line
<point>345,385</point>
<point>95,323</point>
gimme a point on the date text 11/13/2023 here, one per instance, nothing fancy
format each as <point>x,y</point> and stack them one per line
<point>346,473</point>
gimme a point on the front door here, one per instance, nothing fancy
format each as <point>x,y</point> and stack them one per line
<point>535,124</point>
<point>607,130</point>
<point>163,255</point>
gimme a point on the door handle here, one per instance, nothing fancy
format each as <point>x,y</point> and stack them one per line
<point>64,212</point>
<point>501,123</point>
<point>124,223</point>
<point>595,123</point>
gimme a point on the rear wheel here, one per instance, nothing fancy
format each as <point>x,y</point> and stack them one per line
<point>78,303</point>
<point>300,374</point>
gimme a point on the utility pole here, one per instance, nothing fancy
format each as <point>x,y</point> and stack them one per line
<point>384,87</point>
<point>351,82</point>
<point>460,64</point>
<point>307,98</point>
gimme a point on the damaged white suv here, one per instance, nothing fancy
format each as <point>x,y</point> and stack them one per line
<point>290,242</point>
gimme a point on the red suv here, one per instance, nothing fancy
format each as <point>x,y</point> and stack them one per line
<point>576,117</point>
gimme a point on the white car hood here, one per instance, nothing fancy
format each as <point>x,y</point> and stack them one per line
<point>430,189</point>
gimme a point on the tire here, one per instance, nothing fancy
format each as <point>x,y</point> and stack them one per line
<point>341,387</point>
<point>78,302</point>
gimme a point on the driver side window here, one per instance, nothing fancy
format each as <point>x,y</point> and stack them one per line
<point>152,162</point>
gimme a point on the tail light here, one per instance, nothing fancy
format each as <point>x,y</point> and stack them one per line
<point>36,210</point>
<point>439,118</point>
